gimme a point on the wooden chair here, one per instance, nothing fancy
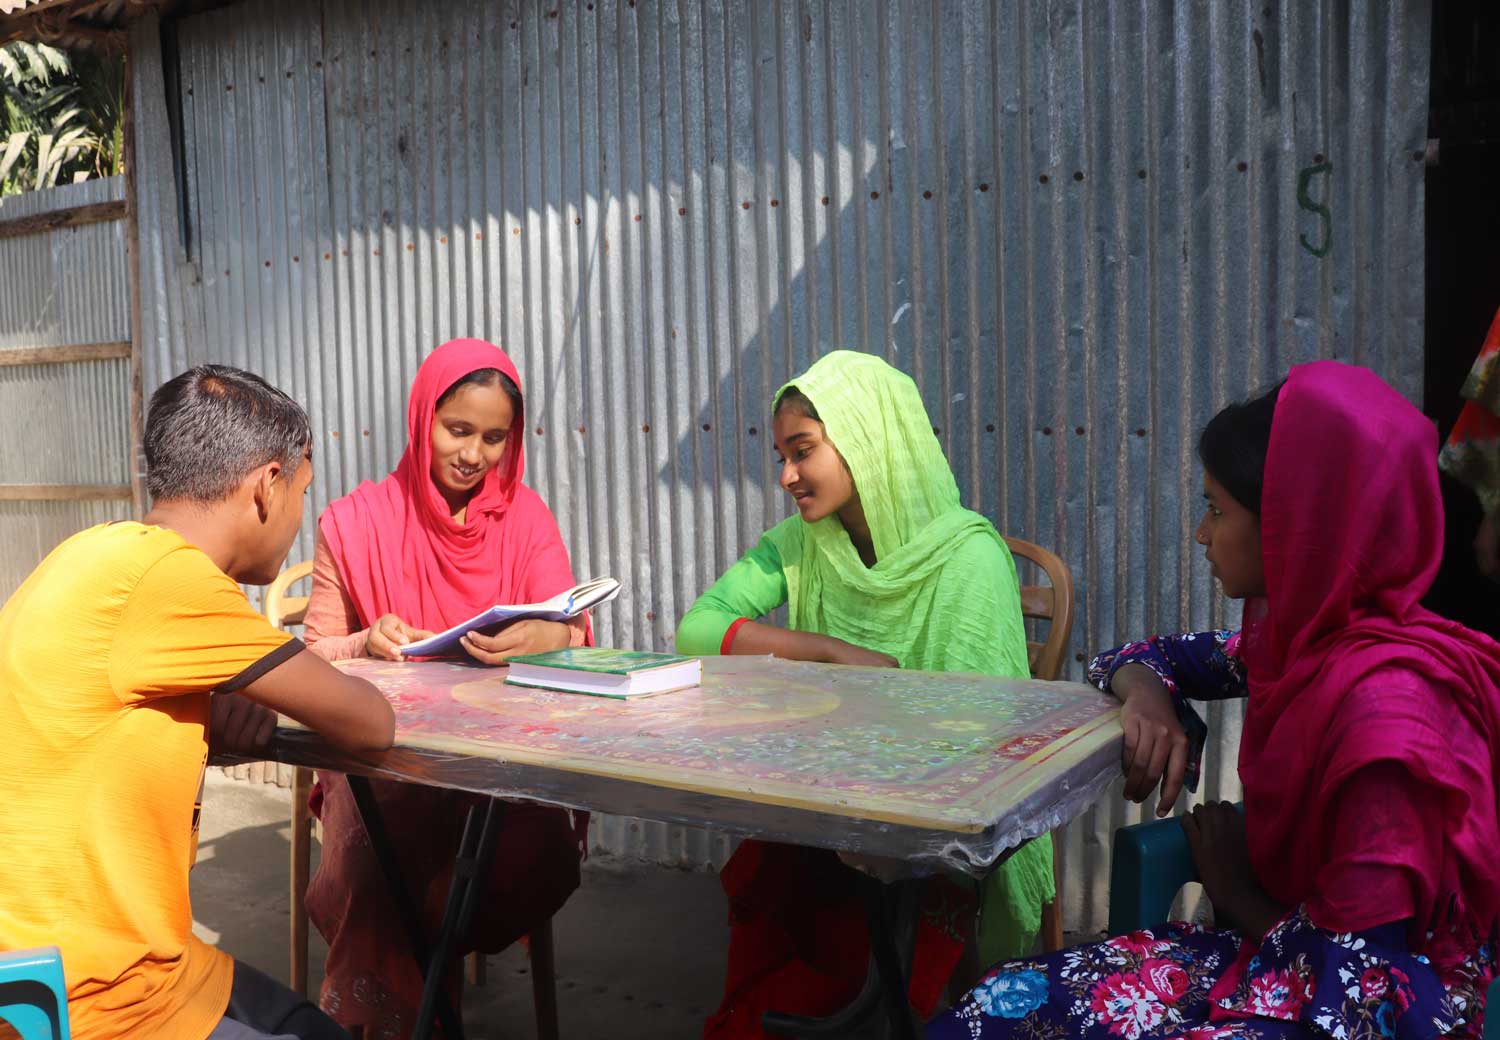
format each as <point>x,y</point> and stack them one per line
<point>1052,603</point>
<point>283,611</point>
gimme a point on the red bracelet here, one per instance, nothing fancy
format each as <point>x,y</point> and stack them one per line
<point>729,636</point>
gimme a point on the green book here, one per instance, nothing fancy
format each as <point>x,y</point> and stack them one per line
<point>603,672</point>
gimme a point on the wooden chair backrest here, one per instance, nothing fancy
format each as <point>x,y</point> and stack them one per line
<point>1052,603</point>
<point>282,610</point>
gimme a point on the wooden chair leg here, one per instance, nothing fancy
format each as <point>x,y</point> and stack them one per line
<point>1052,929</point>
<point>1052,922</point>
<point>301,858</point>
<point>477,967</point>
<point>544,981</point>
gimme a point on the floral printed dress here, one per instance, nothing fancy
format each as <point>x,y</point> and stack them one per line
<point>1183,980</point>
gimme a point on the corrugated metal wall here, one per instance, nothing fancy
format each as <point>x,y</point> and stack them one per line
<point>63,423</point>
<point>1081,227</point>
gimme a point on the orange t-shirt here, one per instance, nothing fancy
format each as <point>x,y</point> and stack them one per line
<point>108,654</point>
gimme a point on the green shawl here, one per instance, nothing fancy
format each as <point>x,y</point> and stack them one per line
<point>943,593</point>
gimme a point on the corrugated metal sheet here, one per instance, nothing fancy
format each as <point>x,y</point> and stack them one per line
<point>64,423</point>
<point>1082,227</point>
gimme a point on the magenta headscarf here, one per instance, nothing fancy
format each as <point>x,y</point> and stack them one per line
<point>399,549</point>
<point>1348,670</point>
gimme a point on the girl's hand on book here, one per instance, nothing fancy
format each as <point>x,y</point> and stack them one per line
<point>389,632</point>
<point>847,653</point>
<point>523,637</point>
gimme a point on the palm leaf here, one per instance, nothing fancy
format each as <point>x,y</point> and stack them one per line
<point>14,145</point>
<point>61,117</point>
<point>56,58</point>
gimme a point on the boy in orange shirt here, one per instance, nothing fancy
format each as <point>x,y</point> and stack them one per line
<point>124,657</point>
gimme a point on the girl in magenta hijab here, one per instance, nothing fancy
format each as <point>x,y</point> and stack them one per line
<point>1358,895</point>
<point>451,532</point>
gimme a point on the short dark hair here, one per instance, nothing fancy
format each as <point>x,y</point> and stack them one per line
<point>1234,445</point>
<point>796,402</point>
<point>487,377</point>
<point>213,424</point>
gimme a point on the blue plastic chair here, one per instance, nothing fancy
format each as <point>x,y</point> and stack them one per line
<point>1152,862</point>
<point>33,995</point>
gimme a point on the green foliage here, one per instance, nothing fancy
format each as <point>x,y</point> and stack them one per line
<point>62,116</point>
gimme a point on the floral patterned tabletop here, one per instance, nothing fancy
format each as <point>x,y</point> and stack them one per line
<point>944,752</point>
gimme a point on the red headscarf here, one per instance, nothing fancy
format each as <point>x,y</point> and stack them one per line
<point>1348,670</point>
<point>400,551</point>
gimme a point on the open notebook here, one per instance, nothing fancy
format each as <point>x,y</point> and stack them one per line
<point>561,607</point>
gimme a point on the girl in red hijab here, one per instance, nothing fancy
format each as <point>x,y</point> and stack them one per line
<point>451,532</point>
<point>1358,896</point>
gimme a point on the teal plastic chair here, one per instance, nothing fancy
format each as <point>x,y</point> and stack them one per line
<point>33,995</point>
<point>1150,865</point>
<point>1152,862</point>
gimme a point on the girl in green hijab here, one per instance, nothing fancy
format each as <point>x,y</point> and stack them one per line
<point>882,567</point>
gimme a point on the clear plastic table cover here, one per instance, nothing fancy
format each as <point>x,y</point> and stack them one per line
<point>938,769</point>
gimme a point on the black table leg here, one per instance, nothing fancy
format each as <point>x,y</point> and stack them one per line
<point>891,911</point>
<point>411,920</point>
<point>475,852</point>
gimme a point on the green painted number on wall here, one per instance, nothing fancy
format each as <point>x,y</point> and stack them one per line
<point>1312,205</point>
